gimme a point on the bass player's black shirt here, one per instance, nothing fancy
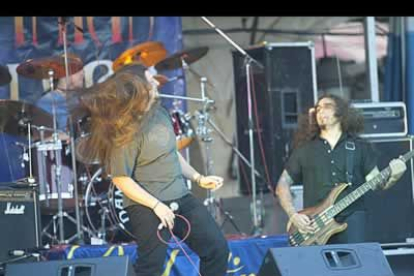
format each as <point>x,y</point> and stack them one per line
<point>319,168</point>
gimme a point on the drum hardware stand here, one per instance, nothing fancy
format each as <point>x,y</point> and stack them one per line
<point>100,233</point>
<point>30,179</point>
<point>53,223</point>
<point>204,132</point>
<point>248,61</point>
<point>22,122</point>
<point>186,98</point>
<point>56,146</point>
<point>62,23</point>
<point>103,212</point>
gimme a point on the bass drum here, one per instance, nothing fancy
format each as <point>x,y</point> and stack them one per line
<point>104,210</point>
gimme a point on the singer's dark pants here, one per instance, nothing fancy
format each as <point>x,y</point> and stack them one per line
<point>206,238</point>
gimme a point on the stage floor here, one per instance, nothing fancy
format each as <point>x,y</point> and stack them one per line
<point>246,255</point>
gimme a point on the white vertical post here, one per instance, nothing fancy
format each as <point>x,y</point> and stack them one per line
<point>371,57</point>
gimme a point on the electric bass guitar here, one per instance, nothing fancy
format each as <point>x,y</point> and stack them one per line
<point>324,213</point>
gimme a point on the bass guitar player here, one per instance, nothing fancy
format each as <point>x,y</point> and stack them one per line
<point>336,167</point>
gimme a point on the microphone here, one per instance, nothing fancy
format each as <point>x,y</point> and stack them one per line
<point>174,206</point>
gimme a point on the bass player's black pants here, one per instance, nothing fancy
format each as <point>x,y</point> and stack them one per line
<point>355,233</point>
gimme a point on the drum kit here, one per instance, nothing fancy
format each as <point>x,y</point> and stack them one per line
<point>53,163</point>
<point>48,158</point>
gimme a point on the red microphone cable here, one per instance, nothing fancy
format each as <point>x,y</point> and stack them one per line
<point>177,242</point>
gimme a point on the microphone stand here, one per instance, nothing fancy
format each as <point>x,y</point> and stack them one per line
<point>238,153</point>
<point>71,134</point>
<point>247,63</point>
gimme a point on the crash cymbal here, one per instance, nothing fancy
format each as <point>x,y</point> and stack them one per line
<point>147,53</point>
<point>5,77</point>
<point>175,61</point>
<point>13,113</point>
<point>39,68</point>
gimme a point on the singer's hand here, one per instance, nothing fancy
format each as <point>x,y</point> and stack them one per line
<point>165,214</point>
<point>211,182</point>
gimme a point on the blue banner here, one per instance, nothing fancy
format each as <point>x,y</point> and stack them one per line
<point>98,41</point>
<point>245,258</point>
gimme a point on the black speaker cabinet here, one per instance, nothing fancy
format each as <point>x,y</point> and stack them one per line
<point>108,266</point>
<point>390,212</point>
<point>281,91</point>
<point>19,220</point>
<point>358,259</point>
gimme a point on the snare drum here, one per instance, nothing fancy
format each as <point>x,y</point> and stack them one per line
<point>182,129</point>
<point>44,166</point>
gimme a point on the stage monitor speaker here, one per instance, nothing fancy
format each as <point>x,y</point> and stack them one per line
<point>285,88</point>
<point>19,220</point>
<point>363,259</point>
<point>108,266</point>
<point>401,261</point>
<point>388,210</point>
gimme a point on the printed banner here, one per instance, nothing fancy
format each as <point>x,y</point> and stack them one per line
<point>98,41</point>
<point>245,258</point>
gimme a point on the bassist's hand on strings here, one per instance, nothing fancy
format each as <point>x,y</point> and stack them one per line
<point>303,223</point>
<point>398,167</point>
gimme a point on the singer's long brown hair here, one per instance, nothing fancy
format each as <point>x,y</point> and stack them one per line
<point>352,122</point>
<point>117,108</point>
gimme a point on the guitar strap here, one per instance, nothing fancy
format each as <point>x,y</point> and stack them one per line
<point>350,152</point>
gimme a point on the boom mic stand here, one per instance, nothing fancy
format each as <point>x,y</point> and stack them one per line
<point>248,61</point>
<point>238,153</point>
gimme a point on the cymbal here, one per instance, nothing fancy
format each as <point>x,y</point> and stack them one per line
<point>13,112</point>
<point>5,77</point>
<point>39,68</point>
<point>175,61</point>
<point>148,53</point>
<point>139,69</point>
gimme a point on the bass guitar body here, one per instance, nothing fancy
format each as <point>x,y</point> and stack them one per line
<point>326,227</point>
